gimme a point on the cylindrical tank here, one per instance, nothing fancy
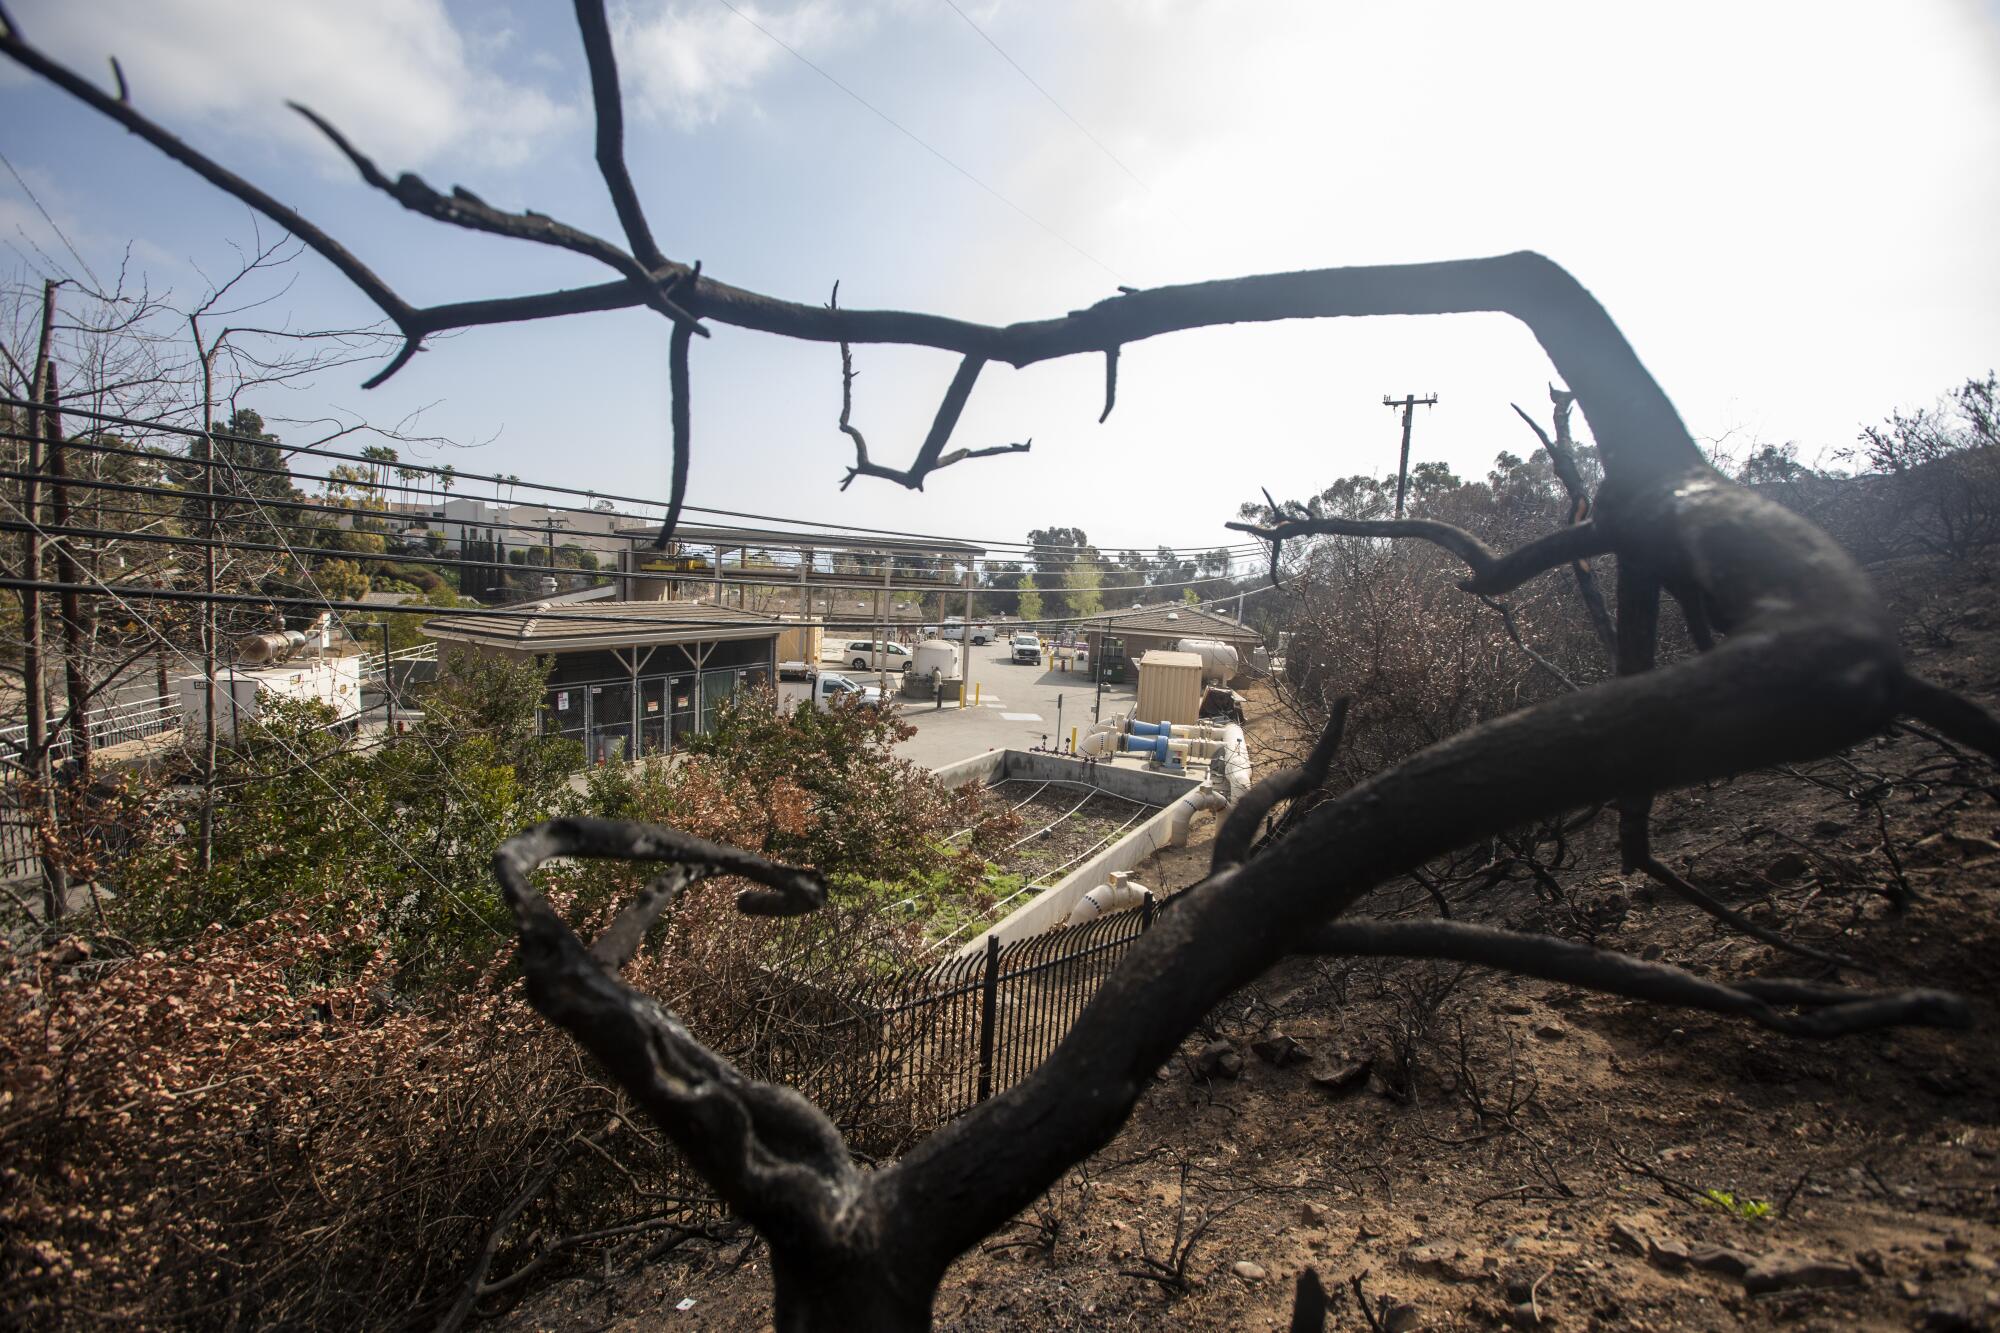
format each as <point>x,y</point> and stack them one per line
<point>262,649</point>
<point>1219,661</point>
<point>938,655</point>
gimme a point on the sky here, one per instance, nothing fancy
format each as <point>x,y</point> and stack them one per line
<point>1788,208</point>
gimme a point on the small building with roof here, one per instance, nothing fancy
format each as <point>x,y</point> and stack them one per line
<point>626,679</point>
<point>1126,636</point>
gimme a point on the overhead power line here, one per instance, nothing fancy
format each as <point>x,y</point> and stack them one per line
<point>909,134</point>
<point>501,479</point>
<point>118,595</point>
<point>1049,97</point>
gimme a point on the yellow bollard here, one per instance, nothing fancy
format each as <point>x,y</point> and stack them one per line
<point>977,686</point>
<point>961,694</point>
<point>1072,740</point>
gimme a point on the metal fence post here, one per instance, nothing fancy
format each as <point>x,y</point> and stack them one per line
<point>1146,912</point>
<point>989,1004</point>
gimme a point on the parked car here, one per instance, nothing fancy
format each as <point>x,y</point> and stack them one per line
<point>869,654</point>
<point>1027,648</point>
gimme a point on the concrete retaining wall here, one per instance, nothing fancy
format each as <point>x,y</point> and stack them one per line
<point>1047,909</point>
<point>1125,778</point>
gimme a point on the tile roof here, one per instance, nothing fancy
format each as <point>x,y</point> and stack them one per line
<point>1178,619</point>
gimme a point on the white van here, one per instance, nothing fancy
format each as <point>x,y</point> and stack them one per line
<point>873,654</point>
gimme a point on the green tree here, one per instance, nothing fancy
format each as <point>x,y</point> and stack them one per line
<point>1028,602</point>
<point>381,458</point>
<point>351,834</point>
<point>1083,584</point>
<point>341,580</point>
<point>249,471</point>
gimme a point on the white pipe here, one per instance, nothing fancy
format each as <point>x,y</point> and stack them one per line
<point>1182,812</point>
<point>1236,763</point>
<point>1120,895</point>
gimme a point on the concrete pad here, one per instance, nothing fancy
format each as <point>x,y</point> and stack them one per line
<point>945,735</point>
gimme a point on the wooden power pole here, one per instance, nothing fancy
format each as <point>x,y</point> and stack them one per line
<point>1409,403</point>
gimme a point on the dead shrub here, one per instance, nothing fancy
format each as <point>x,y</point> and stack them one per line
<point>255,1129</point>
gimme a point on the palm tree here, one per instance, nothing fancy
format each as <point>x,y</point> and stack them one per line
<point>378,456</point>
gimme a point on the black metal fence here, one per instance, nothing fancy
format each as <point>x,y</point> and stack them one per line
<point>891,1056</point>
<point>20,858</point>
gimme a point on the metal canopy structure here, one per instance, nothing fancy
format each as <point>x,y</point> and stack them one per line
<point>689,534</point>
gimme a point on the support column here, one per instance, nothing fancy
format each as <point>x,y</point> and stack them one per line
<point>882,629</point>
<point>965,638</point>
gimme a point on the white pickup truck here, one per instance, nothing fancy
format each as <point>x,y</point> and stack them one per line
<point>795,686</point>
<point>955,629</point>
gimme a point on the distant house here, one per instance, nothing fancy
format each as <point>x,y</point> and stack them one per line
<point>626,678</point>
<point>1136,631</point>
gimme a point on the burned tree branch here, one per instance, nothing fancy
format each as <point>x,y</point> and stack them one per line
<point>463,208</point>
<point>1958,718</point>
<point>931,456</point>
<point>1492,572</point>
<point>1627,410</point>
<point>1561,450</point>
<point>774,1156</point>
<point>1832,1011</point>
<point>1506,613</point>
<point>682,411</point>
<point>1635,849</point>
<point>1239,826</point>
<point>609,107</point>
<point>119,109</point>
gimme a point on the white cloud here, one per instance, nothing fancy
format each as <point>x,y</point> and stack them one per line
<point>399,78</point>
<point>689,61</point>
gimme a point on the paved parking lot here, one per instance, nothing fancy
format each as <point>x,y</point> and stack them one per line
<point>1017,706</point>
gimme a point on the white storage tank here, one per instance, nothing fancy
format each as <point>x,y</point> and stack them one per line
<point>1219,661</point>
<point>935,655</point>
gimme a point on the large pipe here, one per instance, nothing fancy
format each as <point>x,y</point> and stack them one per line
<point>1119,895</point>
<point>1184,810</point>
<point>1235,763</point>
<point>1160,747</point>
<point>1212,731</point>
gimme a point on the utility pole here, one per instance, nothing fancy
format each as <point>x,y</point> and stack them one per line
<point>1409,403</point>
<point>1097,669</point>
<point>549,525</point>
<point>388,690</point>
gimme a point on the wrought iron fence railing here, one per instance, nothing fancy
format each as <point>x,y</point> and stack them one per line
<point>112,724</point>
<point>892,1056</point>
